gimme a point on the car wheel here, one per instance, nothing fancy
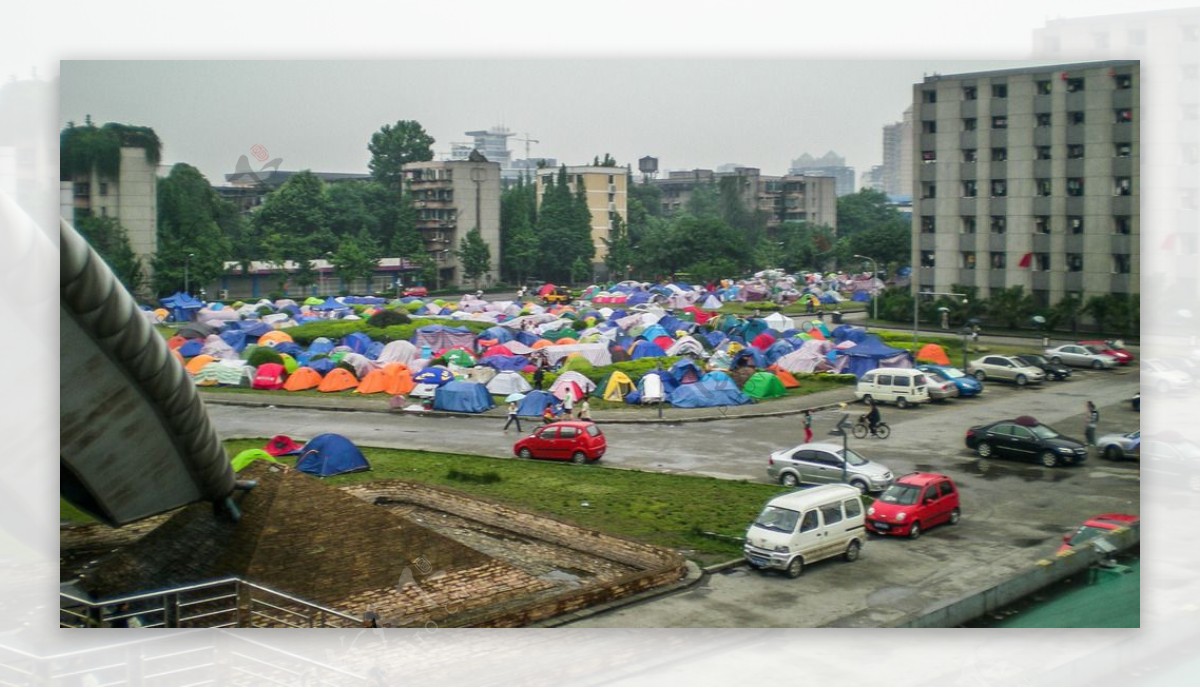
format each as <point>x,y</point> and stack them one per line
<point>915,531</point>
<point>1049,459</point>
<point>525,453</point>
<point>1097,365</point>
<point>984,449</point>
<point>795,567</point>
<point>1112,452</point>
<point>902,403</point>
<point>980,375</point>
<point>852,551</point>
<point>789,480</point>
<point>1021,380</point>
<point>862,486</point>
<point>1056,360</point>
<point>578,457</point>
<point>955,515</point>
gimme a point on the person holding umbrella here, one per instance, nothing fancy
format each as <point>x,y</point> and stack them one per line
<point>512,415</point>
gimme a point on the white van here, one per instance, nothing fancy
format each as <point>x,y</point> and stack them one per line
<point>806,526</point>
<point>900,386</point>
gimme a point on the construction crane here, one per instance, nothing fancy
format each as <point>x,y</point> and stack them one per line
<point>528,141</point>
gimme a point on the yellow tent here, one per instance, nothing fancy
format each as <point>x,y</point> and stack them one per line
<point>615,387</point>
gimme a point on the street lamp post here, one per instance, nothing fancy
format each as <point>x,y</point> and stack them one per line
<point>874,297</point>
<point>187,264</point>
<point>917,303</point>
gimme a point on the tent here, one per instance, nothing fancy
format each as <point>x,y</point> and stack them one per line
<point>338,380</point>
<point>274,337</point>
<point>535,402</point>
<point>932,353</point>
<point>393,379</point>
<point>249,456</point>
<point>197,364</point>
<point>779,322</point>
<point>585,385</point>
<point>434,375</point>
<point>507,382</point>
<point>269,376</point>
<point>331,454</point>
<point>614,387</point>
<point>182,306</point>
<point>303,378</point>
<point>685,372</point>
<point>714,389</point>
<point>871,353</point>
<point>282,445</point>
<point>229,373</point>
<point>439,337</point>
<point>462,397</point>
<point>789,381</point>
<point>764,385</point>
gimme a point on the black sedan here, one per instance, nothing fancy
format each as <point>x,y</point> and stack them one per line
<point>1025,438</point>
<point>1054,371</point>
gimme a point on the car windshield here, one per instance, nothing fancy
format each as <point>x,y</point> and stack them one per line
<point>953,373</point>
<point>900,493</point>
<point>1043,432</point>
<point>775,518</point>
<point>1033,360</point>
<point>852,458</point>
<point>594,430</point>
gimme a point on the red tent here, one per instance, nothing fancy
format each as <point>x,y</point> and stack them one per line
<point>269,376</point>
<point>762,342</point>
<point>546,288</point>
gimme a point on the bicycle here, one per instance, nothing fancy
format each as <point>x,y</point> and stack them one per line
<point>862,429</point>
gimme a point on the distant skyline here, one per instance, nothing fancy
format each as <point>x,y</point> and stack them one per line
<point>695,113</point>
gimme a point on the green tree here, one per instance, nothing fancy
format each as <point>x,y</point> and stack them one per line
<point>803,246</point>
<point>1010,307</point>
<point>292,224</point>
<point>110,239</point>
<point>1066,313</point>
<point>865,210</point>
<point>888,243</point>
<point>474,255</point>
<point>620,254</point>
<point>356,258</point>
<point>518,242</point>
<point>192,245</point>
<point>563,233</point>
<point>88,148</point>
<point>395,145</point>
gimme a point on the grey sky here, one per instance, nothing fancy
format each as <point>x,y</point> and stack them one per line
<point>688,113</point>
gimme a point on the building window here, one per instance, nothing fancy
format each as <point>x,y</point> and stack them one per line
<point>1123,82</point>
<point>1122,150</point>
<point>1122,224</point>
<point>1043,119</point>
<point>1044,187</point>
<point>82,190</point>
<point>1000,122</point>
<point>1074,85</point>
<point>999,188</point>
<point>1041,262</point>
<point>1121,263</point>
<point>928,156</point>
<point>997,259</point>
<point>970,154</point>
<point>1075,117</point>
<point>1043,153</point>
<point>612,198</point>
<point>1075,151</point>
<point>612,179</point>
<point>999,90</point>
<point>999,154</point>
<point>1043,87</point>
<point>1122,116</point>
<point>1075,186</point>
<point>927,224</point>
<point>103,211</point>
<point>998,224</point>
<point>1041,224</point>
<point>929,96</point>
<point>970,123</point>
<point>927,260</point>
<point>968,260</point>
<point>1074,262</point>
<point>968,188</point>
<point>103,188</point>
<point>1075,222</point>
<point>929,191</point>
<point>970,93</point>
<point>928,126</point>
<point>967,224</point>
<point>1122,186</point>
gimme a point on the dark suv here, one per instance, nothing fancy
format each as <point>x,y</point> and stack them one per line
<point>1054,371</point>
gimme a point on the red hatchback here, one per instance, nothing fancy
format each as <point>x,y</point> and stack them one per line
<point>913,503</point>
<point>418,291</point>
<point>574,440</point>
<point>1112,348</point>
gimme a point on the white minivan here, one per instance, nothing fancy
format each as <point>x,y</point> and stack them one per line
<point>806,526</point>
<point>900,386</point>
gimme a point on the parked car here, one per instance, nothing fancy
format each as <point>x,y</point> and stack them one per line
<point>967,385</point>
<point>1097,526</point>
<point>1164,377</point>
<point>573,440</point>
<point>1027,439</point>
<point>1053,371</point>
<point>939,387</point>
<point>805,526</point>
<point>914,503</point>
<point>417,290</point>
<point>822,462</point>
<point>1136,402</point>
<point>1112,347</point>
<point>1080,355</point>
<point>900,386</point>
<point>1117,446</point>
<point>1007,368</point>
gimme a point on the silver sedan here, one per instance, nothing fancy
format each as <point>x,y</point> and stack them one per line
<point>1080,355</point>
<point>1119,446</point>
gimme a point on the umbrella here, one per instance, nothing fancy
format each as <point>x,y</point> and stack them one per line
<point>515,396</point>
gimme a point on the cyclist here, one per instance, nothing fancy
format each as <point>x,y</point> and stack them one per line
<point>872,417</point>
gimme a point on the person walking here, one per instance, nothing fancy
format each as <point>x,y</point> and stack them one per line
<point>568,403</point>
<point>1093,418</point>
<point>584,412</point>
<point>808,433</point>
<point>539,377</point>
<point>512,416</point>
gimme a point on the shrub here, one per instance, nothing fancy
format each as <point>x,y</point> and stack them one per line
<point>263,354</point>
<point>476,478</point>
<point>264,310</point>
<point>387,318</point>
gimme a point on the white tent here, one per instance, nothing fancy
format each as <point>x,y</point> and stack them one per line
<point>399,351</point>
<point>508,381</point>
<point>780,322</point>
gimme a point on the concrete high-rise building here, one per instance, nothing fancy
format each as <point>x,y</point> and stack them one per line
<point>1029,177</point>
<point>790,198</point>
<point>607,194</point>
<point>829,165</point>
<point>896,177</point>
<point>452,197</point>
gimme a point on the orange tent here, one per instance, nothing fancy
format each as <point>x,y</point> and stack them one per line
<point>198,362</point>
<point>933,353</point>
<point>788,380</point>
<point>303,378</point>
<point>541,344</point>
<point>393,379</point>
<point>815,333</point>
<point>568,340</point>
<point>338,380</point>
<point>274,337</point>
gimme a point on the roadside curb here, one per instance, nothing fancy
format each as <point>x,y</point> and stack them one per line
<point>693,576</point>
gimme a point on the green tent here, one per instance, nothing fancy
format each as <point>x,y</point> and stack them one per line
<point>289,363</point>
<point>459,357</point>
<point>764,385</point>
<point>249,456</point>
<point>313,301</point>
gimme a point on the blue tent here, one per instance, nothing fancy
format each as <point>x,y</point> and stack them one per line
<point>749,356</point>
<point>462,396</point>
<point>526,337</point>
<point>235,339</point>
<point>871,353</point>
<point>434,375</point>
<point>860,296</point>
<point>535,402</point>
<point>331,304</point>
<point>290,348</point>
<point>714,389</point>
<point>191,348</point>
<point>321,365</point>
<point>715,338</point>
<point>516,363</point>
<point>320,345</point>
<point>685,371</point>
<point>653,332</point>
<point>255,328</point>
<point>828,298</point>
<point>637,297</point>
<point>645,349</point>
<point>780,349</point>
<point>671,325</point>
<point>497,333</point>
<point>331,454</point>
<point>374,350</point>
<point>843,333</point>
<point>182,306</point>
<point>357,341</point>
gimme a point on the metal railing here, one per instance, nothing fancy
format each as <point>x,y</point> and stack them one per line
<point>224,603</point>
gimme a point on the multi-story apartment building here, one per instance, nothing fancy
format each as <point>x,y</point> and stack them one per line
<point>897,157</point>
<point>607,194</point>
<point>791,198</point>
<point>1028,177</point>
<point>829,165</point>
<point>452,197</point>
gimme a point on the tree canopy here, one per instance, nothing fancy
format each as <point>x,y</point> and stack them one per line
<point>395,145</point>
<point>195,231</point>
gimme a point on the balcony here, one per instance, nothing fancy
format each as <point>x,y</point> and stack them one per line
<point>1121,244</point>
<point>1041,280</point>
<point>1042,205</point>
<point>996,278</point>
<point>1124,205</point>
<point>1043,136</point>
<point>997,242</point>
<point>969,108</point>
<point>1122,284</point>
<point>967,242</point>
<point>1073,281</point>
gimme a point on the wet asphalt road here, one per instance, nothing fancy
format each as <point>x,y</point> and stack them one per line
<point>1013,513</point>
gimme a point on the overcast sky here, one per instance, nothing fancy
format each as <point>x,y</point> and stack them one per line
<point>688,113</point>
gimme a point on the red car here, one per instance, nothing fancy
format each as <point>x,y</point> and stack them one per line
<point>417,291</point>
<point>574,440</point>
<point>1112,348</point>
<point>1095,527</point>
<point>913,503</point>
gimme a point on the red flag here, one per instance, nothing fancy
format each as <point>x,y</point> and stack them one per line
<point>1026,260</point>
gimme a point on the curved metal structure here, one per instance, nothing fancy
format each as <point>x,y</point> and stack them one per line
<point>135,439</point>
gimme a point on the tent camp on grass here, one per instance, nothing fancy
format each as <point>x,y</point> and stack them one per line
<point>331,454</point>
